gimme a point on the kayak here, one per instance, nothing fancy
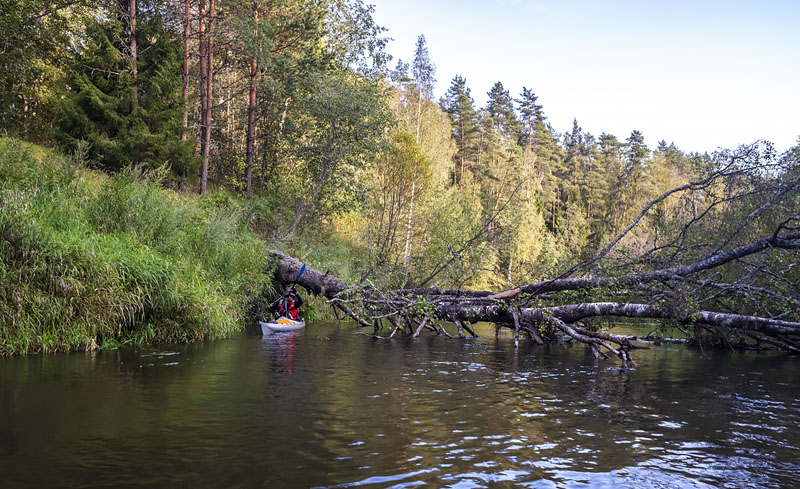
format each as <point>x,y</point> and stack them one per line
<point>281,324</point>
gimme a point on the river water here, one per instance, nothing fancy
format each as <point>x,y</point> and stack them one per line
<point>328,407</point>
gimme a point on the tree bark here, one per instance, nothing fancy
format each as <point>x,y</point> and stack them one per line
<point>419,112</point>
<point>203,90</point>
<point>134,55</point>
<point>408,235</point>
<point>187,32</point>
<point>251,127</point>
<point>251,115</point>
<point>303,209</point>
<point>135,157</point>
<point>209,97</point>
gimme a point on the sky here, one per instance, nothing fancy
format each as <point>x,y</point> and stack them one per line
<point>702,74</point>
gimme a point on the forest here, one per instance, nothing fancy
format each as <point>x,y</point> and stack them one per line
<point>200,134</point>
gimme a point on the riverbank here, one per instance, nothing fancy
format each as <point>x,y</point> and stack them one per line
<point>92,261</point>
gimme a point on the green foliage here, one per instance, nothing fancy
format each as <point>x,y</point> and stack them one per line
<point>500,109</point>
<point>345,119</point>
<point>96,261</point>
<point>125,120</point>
<point>452,222</point>
<point>399,179</point>
<point>34,46</point>
<point>354,38</point>
<point>286,40</point>
<point>460,108</point>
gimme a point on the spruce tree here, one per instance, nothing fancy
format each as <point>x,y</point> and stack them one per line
<point>424,74</point>
<point>574,164</point>
<point>125,122</point>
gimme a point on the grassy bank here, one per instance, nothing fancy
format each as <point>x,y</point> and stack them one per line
<point>95,261</point>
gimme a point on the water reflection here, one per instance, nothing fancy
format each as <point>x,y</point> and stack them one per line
<point>281,349</point>
<point>326,407</point>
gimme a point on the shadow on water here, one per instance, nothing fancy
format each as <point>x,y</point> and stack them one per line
<point>328,407</point>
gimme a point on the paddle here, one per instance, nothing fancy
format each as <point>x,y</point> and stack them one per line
<point>302,269</point>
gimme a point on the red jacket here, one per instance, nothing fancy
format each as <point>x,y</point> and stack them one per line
<point>287,306</point>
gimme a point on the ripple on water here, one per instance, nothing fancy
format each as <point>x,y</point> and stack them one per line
<point>383,479</point>
<point>482,479</point>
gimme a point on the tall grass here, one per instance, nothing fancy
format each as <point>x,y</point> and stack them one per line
<point>93,261</point>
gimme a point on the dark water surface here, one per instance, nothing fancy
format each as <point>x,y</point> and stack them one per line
<point>327,407</point>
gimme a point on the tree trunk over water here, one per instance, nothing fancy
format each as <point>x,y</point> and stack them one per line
<point>467,306</point>
<point>726,275</point>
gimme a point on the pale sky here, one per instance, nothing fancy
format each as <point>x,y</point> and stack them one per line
<point>702,74</point>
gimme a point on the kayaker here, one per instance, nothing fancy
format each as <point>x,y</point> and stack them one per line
<point>287,305</point>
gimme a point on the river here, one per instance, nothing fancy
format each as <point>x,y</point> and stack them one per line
<point>328,407</point>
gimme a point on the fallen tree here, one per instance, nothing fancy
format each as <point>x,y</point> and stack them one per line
<point>726,275</point>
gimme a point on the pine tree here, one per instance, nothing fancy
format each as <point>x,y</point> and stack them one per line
<point>503,155</point>
<point>592,185</point>
<point>611,163</point>
<point>207,59</point>
<point>500,107</point>
<point>187,35</point>
<point>460,108</point>
<point>250,153</point>
<point>549,165</point>
<point>275,50</point>
<point>674,156</point>
<point>636,168</point>
<point>574,164</point>
<point>530,113</point>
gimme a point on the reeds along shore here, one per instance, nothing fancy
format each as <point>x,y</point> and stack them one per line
<point>93,261</point>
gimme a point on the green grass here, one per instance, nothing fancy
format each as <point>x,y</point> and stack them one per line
<point>95,261</point>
